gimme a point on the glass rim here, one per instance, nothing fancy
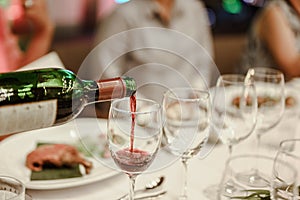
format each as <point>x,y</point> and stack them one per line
<point>11,178</point>
<point>237,79</point>
<point>255,156</point>
<point>154,103</point>
<point>17,181</point>
<point>238,76</point>
<point>248,155</point>
<point>289,140</point>
<point>272,72</point>
<point>287,151</point>
<point>174,97</point>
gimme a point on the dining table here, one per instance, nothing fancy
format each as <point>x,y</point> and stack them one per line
<point>204,173</point>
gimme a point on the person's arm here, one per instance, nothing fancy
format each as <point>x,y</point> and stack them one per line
<point>43,29</point>
<point>280,40</point>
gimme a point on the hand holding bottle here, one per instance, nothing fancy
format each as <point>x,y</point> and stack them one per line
<point>30,16</point>
<point>26,32</point>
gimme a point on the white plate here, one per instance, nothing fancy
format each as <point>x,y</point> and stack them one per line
<point>14,150</point>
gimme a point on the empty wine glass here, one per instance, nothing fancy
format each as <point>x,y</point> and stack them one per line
<point>232,187</point>
<point>186,113</point>
<point>284,187</point>
<point>134,135</point>
<point>234,108</point>
<point>269,85</point>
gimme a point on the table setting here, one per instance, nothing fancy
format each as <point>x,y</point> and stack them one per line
<point>202,174</point>
<point>181,149</point>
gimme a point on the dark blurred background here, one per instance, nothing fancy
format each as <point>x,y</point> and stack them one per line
<point>76,21</point>
<point>231,16</point>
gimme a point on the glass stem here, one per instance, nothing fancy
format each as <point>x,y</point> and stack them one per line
<point>131,186</point>
<point>230,151</point>
<point>258,136</point>
<point>256,170</point>
<point>183,195</point>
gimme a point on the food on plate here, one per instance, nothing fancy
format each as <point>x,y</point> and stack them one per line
<point>57,155</point>
<point>236,101</point>
<point>180,111</point>
<point>289,101</point>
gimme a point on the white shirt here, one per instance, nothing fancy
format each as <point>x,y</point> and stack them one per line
<point>134,41</point>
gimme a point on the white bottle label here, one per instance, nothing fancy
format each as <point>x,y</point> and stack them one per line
<point>28,116</point>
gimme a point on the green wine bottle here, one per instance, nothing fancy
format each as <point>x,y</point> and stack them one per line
<point>41,98</point>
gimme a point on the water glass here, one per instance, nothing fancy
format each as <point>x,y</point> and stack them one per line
<point>186,112</point>
<point>11,189</point>
<point>234,109</point>
<point>289,151</point>
<point>236,185</point>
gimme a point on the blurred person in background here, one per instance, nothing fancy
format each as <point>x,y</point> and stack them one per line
<point>274,38</point>
<point>26,32</point>
<point>181,25</point>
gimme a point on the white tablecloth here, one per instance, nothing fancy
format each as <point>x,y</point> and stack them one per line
<point>202,174</point>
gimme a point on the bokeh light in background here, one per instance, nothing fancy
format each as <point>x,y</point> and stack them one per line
<point>258,3</point>
<point>4,3</point>
<point>121,1</point>
<point>212,16</point>
<point>230,16</point>
<point>232,6</point>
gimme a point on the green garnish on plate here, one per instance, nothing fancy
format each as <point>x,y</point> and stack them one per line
<point>51,172</point>
<point>255,195</point>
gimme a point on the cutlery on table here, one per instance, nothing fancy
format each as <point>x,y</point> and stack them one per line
<point>149,187</point>
<point>152,196</point>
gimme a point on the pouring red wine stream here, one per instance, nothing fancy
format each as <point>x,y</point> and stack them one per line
<point>133,110</point>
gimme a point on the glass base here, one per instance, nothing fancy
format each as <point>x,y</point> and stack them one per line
<point>183,197</point>
<point>253,178</point>
<point>211,192</point>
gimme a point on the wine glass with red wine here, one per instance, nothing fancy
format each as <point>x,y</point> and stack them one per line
<point>186,113</point>
<point>134,135</point>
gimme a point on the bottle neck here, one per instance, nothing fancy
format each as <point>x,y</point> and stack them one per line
<point>91,90</point>
<point>108,89</point>
<point>111,89</point>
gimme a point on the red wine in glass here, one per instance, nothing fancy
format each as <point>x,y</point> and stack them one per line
<point>134,153</point>
<point>133,161</point>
